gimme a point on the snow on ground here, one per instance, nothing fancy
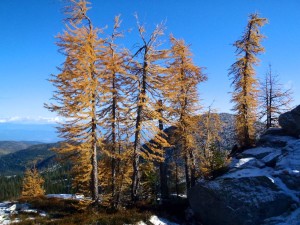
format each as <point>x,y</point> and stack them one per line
<point>180,195</point>
<point>65,196</point>
<point>5,212</point>
<point>9,208</point>
<point>246,162</point>
<point>248,172</point>
<point>155,220</point>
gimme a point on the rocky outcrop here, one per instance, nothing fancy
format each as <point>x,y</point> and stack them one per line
<point>290,121</point>
<point>262,186</point>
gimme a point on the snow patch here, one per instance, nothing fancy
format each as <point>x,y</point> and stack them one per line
<point>271,179</point>
<point>66,196</point>
<point>160,221</point>
<point>243,161</point>
<point>248,172</point>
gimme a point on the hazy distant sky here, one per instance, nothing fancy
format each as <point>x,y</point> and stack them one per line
<point>28,54</point>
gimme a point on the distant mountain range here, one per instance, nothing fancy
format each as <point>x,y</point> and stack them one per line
<point>14,163</point>
<point>22,152</point>
<point>45,133</point>
<point>7,147</point>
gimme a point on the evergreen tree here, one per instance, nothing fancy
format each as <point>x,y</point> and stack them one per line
<point>145,91</point>
<point>115,110</point>
<point>32,184</point>
<point>78,94</point>
<point>244,82</point>
<point>213,156</point>
<point>274,99</point>
<point>182,79</point>
<point>209,130</point>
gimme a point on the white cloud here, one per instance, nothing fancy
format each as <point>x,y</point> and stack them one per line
<point>37,120</point>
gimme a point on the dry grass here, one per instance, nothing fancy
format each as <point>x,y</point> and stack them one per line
<point>65,212</point>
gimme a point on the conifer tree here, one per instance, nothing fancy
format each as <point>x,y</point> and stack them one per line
<point>146,90</point>
<point>210,128</point>
<point>213,156</point>
<point>32,184</point>
<point>182,78</point>
<point>78,92</point>
<point>244,81</point>
<point>274,99</point>
<point>114,109</point>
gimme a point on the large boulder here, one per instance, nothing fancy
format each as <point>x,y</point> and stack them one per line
<point>262,186</point>
<point>290,121</point>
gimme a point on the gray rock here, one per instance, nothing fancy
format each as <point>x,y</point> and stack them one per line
<point>249,193</point>
<point>290,121</point>
<point>291,180</point>
<point>258,153</point>
<point>275,132</point>
<point>272,158</point>
<point>289,218</point>
<point>243,201</point>
<point>246,163</point>
<point>274,141</point>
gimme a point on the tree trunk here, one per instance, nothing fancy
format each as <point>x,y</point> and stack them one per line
<point>136,156</point>
<point>193,169</point>
<point>113,160</point>
<point>187,176</point>
<point>162,165</point>
<point>176,178</point>
<point>94,183</point>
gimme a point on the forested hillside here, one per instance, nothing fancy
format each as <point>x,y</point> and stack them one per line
<point>7,147</point>
<point>16,163</point>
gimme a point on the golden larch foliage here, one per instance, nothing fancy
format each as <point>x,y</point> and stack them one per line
<point>32,184</point>
<point>146,89</point>
<point>78,93</point>
<point>244,82</point>
<point>182,78</point>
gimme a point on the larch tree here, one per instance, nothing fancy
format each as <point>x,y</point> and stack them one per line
<point>244,82</point>
<point>212,155</point>
<point>274,99</point>
<point>114,110</point>
<point>182,79</point>
<point>32,184</point>
<point>146,90</point>
<point>78,94</point>
<point>210,128</point>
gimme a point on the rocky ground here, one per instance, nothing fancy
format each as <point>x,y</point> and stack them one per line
<point>9,209</point>
<point>262,185</point>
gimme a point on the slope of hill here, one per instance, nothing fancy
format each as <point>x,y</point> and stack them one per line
<point>7,147</point>
<point>15,163</point>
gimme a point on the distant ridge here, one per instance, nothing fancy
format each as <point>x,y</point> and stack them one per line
<point>45,133</point>
<point>7,147</point>
<point>16,163</point>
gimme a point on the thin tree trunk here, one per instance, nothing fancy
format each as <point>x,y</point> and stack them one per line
<point>136,156</point>
<point>95,191</point>
<point>187,176</point>
<point>162,165</point>
<point>176,178</point>
<point>113,160</point>
<point>193,169</point>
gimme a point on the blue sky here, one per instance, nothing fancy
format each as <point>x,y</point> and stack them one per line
<point>28,54</point>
